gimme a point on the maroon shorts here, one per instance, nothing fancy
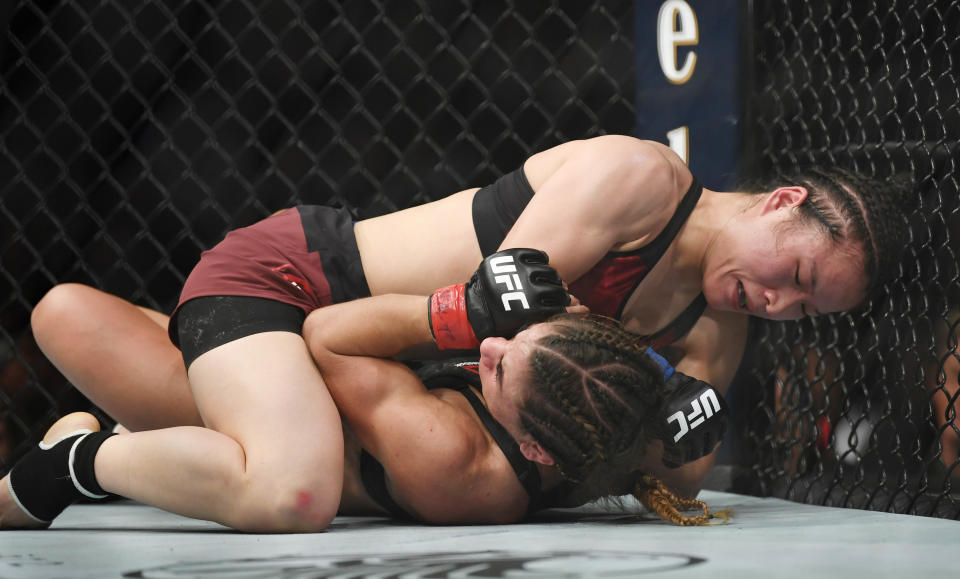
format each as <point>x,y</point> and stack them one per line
<point>305,257</point>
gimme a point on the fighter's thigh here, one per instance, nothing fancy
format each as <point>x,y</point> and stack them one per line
<point>264,391</point>
<point>117,354</point>
<point>158,318</point>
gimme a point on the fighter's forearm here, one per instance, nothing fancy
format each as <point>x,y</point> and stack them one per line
<point>379,326</point>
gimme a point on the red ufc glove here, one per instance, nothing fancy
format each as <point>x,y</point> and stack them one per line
<point>512,288</point>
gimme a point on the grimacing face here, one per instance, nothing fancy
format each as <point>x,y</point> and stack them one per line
<point>767,264</point>
<point>504,377</point>
<point>503,374</point>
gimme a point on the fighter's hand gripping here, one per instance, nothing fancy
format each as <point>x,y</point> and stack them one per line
<point>695,414</point>
<point>511,289</point>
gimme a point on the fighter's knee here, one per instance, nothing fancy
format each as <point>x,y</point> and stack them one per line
<point>309,510</point>
<point>289,509</point>
<point>52,312</point>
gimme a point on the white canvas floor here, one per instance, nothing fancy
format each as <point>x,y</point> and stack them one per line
<point>765,538</point>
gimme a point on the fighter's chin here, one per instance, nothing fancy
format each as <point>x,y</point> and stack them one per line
<point>718,300</point>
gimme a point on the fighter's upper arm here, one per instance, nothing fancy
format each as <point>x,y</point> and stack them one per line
<point>364,386</point>
<point>713,349</point>
<point>423,442</point>
<point>712,352</point>
<point>594,195</point>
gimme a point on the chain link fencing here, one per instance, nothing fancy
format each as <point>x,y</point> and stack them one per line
<point>859,410</point>
<point>135,134</point>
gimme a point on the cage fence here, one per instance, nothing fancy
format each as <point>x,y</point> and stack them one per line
<point>859,410</point>
<point>135,134</point>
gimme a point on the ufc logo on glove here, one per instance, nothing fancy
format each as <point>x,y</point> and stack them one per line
<point>702,408</point>
<point>505,273</point>
<point>462,315</point>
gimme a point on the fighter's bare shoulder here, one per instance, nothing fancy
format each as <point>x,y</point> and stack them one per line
<point>643,181</point>
<point>617,153</point>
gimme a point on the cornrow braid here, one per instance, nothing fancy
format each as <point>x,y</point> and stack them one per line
<point>596,403</point>
<point>848,205</point>
<point>661,500</point>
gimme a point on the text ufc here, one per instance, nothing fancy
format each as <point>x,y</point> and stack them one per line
<point>505,273</point>
<point>701,408</point>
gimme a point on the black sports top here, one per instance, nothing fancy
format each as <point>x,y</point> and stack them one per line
<point>460,375</point>
<point>607,286</point>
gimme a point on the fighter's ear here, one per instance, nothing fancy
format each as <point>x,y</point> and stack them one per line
<point>785,197</point>
<point>534,452</point>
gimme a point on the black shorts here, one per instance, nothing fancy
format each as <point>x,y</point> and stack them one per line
<point>268,277</point>
<point>208,322</point>
<point>496,208</point>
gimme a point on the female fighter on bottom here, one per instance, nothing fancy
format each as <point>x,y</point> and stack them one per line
<point>623,220</point>
<point>566,411</point>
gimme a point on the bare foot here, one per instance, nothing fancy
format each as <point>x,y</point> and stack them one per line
<point>11,516</point>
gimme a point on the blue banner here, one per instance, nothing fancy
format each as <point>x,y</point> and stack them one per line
<point>688,83</point>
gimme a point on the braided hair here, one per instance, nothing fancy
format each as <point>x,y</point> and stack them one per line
<point>847,205</point>
<point>596,404</point>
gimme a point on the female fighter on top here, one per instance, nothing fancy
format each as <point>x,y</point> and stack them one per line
<point>563,413</point>
<point>623,220</point>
